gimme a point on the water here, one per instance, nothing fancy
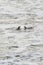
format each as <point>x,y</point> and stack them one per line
<point>21,47</point>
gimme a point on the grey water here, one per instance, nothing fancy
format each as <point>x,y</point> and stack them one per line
<point>24,46</point>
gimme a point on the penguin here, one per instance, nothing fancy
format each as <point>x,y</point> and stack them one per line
<point>27,27</point>
<point>30,28</point>
<point>18,28</point>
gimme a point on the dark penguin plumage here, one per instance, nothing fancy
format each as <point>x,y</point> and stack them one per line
<point>18,28</point>
<point>25,27</point>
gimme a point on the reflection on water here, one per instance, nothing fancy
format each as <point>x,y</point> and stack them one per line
<point>22,46</point>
